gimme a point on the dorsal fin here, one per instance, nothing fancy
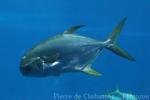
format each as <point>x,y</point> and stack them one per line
<point>73,29</point>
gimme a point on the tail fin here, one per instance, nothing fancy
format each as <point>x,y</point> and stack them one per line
<point>111,42</point>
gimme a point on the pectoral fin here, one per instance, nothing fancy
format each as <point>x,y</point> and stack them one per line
<point>90,71</point>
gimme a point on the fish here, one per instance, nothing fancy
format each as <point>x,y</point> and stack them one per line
<point>69,52</point>
<point>118,95</point>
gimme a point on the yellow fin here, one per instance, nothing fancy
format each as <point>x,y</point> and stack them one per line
<point>90,71</point>
<point>73,29</point>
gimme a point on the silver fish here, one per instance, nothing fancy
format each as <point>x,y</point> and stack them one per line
<point>117,95</point>
<point>68,52</point>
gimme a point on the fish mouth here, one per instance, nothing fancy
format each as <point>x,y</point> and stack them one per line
<point>25,70</point>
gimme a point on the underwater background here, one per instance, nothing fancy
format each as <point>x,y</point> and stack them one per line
<point>24,23</point>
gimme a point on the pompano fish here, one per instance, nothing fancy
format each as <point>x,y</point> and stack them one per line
<point>68,52</point>
<point>117,95</point>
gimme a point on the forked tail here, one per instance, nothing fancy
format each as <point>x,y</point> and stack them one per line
<point>112,39</point>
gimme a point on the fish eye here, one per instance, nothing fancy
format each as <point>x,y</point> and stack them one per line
<point>24,57</point>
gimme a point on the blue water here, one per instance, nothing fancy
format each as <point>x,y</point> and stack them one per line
<point>23,23</point>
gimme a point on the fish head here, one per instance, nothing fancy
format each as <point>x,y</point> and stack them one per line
<point>30,66</point>
<point>39,66</point>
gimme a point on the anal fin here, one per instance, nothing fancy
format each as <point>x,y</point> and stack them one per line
<point>90,71</point>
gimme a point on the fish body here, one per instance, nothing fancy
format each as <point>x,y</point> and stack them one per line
<point>117,95</point>
<point>68,52</point>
